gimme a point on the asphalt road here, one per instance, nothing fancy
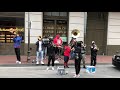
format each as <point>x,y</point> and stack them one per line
<point>102,71</point>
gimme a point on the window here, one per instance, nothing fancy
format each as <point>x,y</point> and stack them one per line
<point>9,25</point>
<point>55,14</point>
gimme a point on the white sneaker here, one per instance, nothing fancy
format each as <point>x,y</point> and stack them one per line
<point>75,76</point>
<point>42,62</point>
<point>78,75</point>
<point>52,68</point>
<point>47,68</point>
<point>37,62</point>
<point>17,61</point>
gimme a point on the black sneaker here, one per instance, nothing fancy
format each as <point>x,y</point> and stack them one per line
<point>84,67</point>
<point>67,67</point>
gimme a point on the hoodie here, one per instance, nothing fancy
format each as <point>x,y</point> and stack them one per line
<point>17,41</point>
<point>57,40</point>
<point>67,50</point>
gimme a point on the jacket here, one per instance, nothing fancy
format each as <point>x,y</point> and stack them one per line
<point>51,50</point>
<point>94,50</point>
<point>17,41</point>
<point>37,48</point>
<point>67,50</point>
<point>57,41</point>
<point>77,52</point>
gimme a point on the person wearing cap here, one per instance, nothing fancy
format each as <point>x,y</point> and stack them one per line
<point>83,52</point>
<point>17,39</point>
<point>39,50</point>
<point>94,50</point>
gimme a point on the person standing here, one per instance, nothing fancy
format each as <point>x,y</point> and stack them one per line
<point>94,50</point>
<point>17,39</point>
<point>72,44</point>
<point>83,53</point>
<point>67,51</point>
<point>78,57</point>
<point>51,55</point>
<point>58,42</point>
<point>45,46</point>
<point>39,51</point>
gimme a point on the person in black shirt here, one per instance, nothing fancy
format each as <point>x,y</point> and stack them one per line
<point>45,41</point>
<point>51,54</point>
<point>78,57</point>
<point>94,50</point>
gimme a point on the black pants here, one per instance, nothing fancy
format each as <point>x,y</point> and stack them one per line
<point>49,60</point>
<point>93,60</point>
<point>77,65</point>
<point>17,52</point>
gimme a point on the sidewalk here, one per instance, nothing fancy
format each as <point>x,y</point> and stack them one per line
<point>11,59</point>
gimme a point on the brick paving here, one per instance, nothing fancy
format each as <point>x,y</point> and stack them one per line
<point>10,59</point>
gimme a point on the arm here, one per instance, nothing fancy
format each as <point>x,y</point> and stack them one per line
<point>36,43</point>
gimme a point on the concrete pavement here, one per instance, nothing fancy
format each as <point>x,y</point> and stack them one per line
<point>11,59</point>
<point>102,71</point>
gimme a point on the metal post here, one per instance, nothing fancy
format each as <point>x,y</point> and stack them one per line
<point>29,26</point>
<point>85,26</point>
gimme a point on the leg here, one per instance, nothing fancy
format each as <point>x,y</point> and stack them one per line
<point>45,52</point>
<point>79,66</point>
<point>94,61</point>
<point>91,60</point>
<point>18,51</point>
<point>37,57</point>
<point>76,66</point>
<point>41,57</point>
<point>65,61</point>
<point>53,60</point>
<point>83,59</point>
<point>49,59</point>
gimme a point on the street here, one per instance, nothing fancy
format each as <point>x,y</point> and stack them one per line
<point>102,71</point>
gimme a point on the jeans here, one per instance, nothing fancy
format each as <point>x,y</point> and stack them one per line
<point>72,54</point>
<point>39,56</point>
<point>83,59</point>
<point>44,52</point>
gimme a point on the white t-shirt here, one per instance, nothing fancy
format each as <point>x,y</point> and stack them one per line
<point>40,48</point>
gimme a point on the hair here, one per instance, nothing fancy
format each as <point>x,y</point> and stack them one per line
<point>40,37</point>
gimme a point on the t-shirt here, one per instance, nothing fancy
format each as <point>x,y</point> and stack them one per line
<point>40,45</point>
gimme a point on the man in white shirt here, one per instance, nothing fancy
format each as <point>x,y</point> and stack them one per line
<point>39,51</point>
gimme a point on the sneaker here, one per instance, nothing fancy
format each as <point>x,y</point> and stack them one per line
<point>17,61</point>
<point>42,62</point>
<point>37,62</point>
<point>84,67</point>
<point>52,68</point>
<point>67,67</point>
<point>78,75</point>
<point>75,76</point>
<point>47,68</point>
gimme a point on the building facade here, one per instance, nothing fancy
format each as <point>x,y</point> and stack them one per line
<point>102,27</point>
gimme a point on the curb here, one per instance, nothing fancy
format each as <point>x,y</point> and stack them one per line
<point>33,64</point>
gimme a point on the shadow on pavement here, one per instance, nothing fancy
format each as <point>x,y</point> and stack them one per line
<point>117,68</point>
